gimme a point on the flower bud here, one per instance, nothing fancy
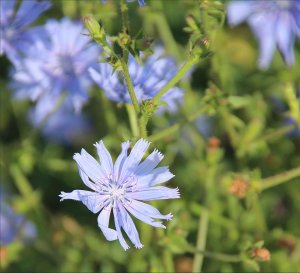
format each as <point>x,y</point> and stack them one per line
<point>261,254</point>
<point>239,187</point>
<point>91,24</point>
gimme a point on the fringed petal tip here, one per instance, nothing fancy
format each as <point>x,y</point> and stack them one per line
<point>76,155</point>
<point>176,193</point>
<point>160,155</point>
<point>169,217</point>
<point>62,196</point>
<point>145,142</point>
<point>139,246</point>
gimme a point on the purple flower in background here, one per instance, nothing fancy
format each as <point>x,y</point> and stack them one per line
<point>56,64</point>
<point>14,25</point>
<point>141,2</point>
<point>147,80</point>
<point>121,186</point>
<point>274,23</point>
<point>288,120</point>
<point>205,125</point>
<point>13,225</point>
<point>62,126</point>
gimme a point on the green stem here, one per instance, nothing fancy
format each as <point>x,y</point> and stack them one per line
<point>125,19</point>
<point>130,87</point>
<point>201,241</point>
<point>278,133</point>
<point>168,260</point>
<point>143,126</point>
<point>179,75</point>
<point>133,120</point>
<point>125,23</point>
<point>218,256</point>
<point>279,179</point>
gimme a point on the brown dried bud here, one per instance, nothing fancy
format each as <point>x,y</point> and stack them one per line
<point>184,264</point>
<point>213,143</point>
<point>261,254</point>
<point>239,188</point>
<point>3,253</point>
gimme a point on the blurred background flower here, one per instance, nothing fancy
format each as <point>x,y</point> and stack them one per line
<point>62,125</point>
<point>147,78</point>
<point>56,65</point>
<point>15,34</point>
<point>13,226</point>
<point>274,23</point>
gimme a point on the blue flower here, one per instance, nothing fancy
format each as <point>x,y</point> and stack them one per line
<point>13,225</point>
<point>62,126</point>
<point>274,23</point>
<point>121,186</point>
<point>14,25</point>
<point>141,2</point>
<point>56,64</point>
<point>294,133</point>
<point>204,124</point>
<point>147,79</point>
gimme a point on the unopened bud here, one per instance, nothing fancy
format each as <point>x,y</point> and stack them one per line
<point>91,24</point>
<point>261,254</point>
<point>239,188</point>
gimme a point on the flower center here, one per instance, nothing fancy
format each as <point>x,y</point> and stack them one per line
<point>117,192</point>
<point>66,64</point>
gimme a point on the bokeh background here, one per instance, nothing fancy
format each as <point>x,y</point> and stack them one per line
<point>245,133</point>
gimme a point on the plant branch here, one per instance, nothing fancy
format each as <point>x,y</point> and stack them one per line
<point>279,179</point>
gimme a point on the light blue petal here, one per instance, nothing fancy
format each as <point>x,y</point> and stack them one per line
<point>117,218</point>
<point>157,176</point>
<point>154,193</point>
<point>238,11</point>
<point>103,221</point>
<point>134,158</point>
<point>141,2</point>
<point>129,227</point>
<point>29,11</point>
<point>149,163</point>
<point>121,159</point>
<point>92,200</point>
<point>149,210</point>
<point>74,195</point>
<point>86,180</point>
<point>144,218</point>
<point>105,158</point>
<point>6,11</point>
<point>264,27</point>
<point>89,166</point>
<point>285,37</point>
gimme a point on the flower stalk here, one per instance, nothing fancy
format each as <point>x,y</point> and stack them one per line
<point>179,75</point>
<point>279,179</point>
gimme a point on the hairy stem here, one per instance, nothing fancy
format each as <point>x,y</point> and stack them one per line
<point>279,179</point>
<point>132,120</point>
<point>201,241</point>
<point>130,87</point>
<point>235,258</point>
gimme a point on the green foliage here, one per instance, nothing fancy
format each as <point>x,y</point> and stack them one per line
<point>214,229</point>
